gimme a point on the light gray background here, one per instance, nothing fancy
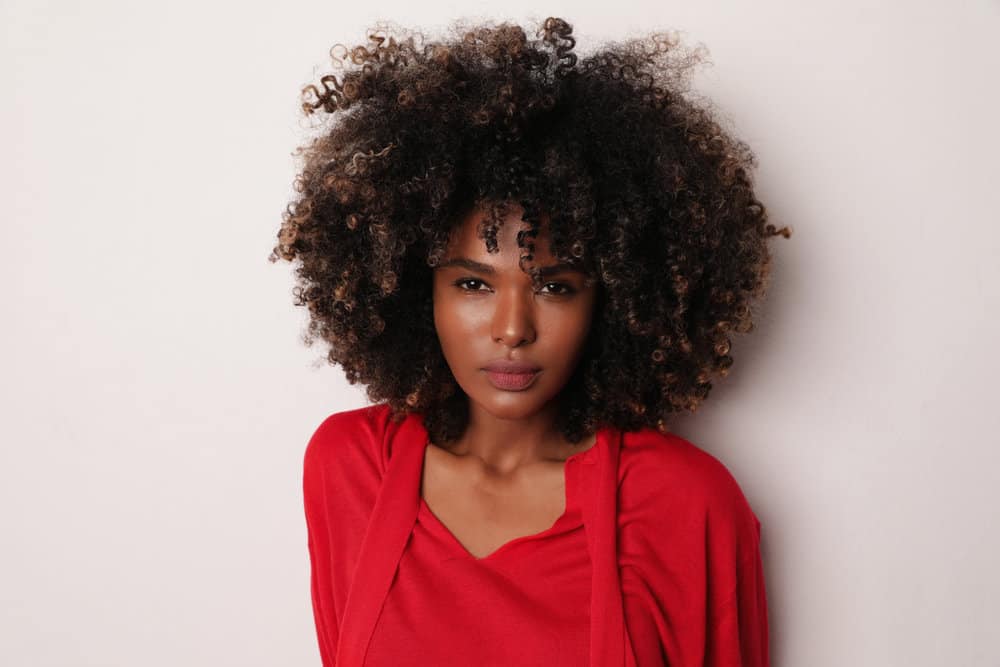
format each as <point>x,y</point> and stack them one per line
<point>156,398</point>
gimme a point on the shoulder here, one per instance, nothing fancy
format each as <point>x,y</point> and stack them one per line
<point>688,547</point>
<point>349,442</point>
<point>666,462</point>
<point>666,477</point>
<point>344,467</point>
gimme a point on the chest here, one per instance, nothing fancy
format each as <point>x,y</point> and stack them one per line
<point>484,515</point>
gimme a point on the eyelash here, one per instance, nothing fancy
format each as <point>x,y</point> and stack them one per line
<point>567,288</point>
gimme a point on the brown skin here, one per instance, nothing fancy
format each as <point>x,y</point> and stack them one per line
<point>504,477</point>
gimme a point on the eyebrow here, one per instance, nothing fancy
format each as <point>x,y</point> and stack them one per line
<point>472,265</point>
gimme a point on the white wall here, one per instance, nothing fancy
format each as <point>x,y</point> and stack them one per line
<point>156,397</point>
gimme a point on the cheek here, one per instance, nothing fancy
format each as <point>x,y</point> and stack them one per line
<point>453,320</point>
<point>580,329</point>
<point>442,324</point>
<point>569,331</point>
<point>440,308</point>
<point>580,319</point>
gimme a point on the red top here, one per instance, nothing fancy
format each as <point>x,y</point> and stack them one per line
<point>656,560</point>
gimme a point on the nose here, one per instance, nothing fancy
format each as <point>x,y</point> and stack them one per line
<point>514,318</point>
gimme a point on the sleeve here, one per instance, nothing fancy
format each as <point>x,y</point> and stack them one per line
<point>342,468</point>
<point>318,531</point>
<point>689,559</point>
<point>738,631</point>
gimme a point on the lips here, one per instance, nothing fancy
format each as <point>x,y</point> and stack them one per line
<point>514,367</point>
<point>511,375</point>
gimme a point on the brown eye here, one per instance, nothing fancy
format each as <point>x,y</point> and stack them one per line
<point>562,289</point>
<point>466,281</point>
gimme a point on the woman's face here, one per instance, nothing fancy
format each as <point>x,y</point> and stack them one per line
<point>487,313</point>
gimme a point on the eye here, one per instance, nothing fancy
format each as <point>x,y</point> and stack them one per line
<point>466,281</point>
<point>563,289</point>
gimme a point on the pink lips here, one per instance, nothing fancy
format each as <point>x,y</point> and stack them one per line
<point>511,375</point>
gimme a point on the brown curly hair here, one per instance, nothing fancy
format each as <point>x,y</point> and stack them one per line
<point>642,187</point>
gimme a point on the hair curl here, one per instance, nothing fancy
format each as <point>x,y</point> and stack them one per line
<point>642,187</point>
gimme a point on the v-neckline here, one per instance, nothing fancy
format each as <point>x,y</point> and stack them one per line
<point>571,506</point>
<point>396,508</point>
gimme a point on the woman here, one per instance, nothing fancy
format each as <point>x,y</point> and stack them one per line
<point>530,263</point>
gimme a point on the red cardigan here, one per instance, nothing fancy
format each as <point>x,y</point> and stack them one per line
<point>674,547</point>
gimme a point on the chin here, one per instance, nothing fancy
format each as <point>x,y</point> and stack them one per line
<point>513,404</point>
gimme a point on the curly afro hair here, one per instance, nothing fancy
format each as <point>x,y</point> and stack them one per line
<point>641,186</point>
